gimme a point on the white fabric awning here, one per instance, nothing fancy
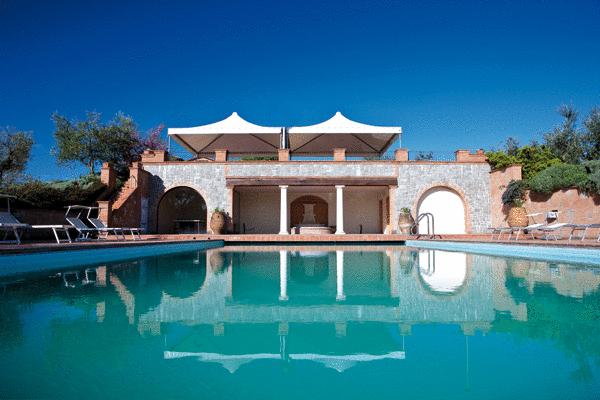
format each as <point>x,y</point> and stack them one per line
<point>339,132</point>
<point>234,134</point>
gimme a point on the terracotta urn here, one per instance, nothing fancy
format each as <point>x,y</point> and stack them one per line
<point>517,216</point>
<point>217,222</point>
<point>406,223</point>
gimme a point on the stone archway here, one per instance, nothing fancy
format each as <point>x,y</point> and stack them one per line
<point>321,210</point>
<point>181,203</point>
<point>448,208</point>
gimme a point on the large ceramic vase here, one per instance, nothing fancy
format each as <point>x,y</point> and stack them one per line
<point>217,223</point>
<point>517,216</point>
<point>405,223</point>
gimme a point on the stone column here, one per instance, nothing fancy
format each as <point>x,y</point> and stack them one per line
<point>392,211</point>
<point>283,224</point>
<point>339,210</point>
<point>283,270</point>
<point>339,272</point>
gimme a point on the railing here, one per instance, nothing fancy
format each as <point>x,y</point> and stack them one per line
<point>413,155</point>
<point>430,225</point>
<point>425,155</point>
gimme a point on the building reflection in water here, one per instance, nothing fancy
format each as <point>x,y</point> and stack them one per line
<point>332,306</point>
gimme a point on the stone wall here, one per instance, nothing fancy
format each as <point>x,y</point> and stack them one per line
<point>469,181</point>
<point>307,168</point>
<point>208,179</point>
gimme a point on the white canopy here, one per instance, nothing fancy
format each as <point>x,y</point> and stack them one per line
<point>234,134</point>
<point>240,137</point>
<point>339,132</point>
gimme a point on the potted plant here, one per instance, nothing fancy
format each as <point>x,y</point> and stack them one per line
<point>406,221</point>
<point>513,198</point>
<point>218,221</point>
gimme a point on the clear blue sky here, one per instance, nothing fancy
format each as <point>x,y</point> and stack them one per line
<point>452,74</point>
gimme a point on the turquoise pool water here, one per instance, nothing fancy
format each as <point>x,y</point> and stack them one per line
<point>310,322</point>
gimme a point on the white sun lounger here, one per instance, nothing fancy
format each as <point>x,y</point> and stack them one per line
<point>101,227</point>
<point>10,224</point>
<point>499,231</point>
<point>529,228</point>
<point>584,228</point>
<point>135,232</point>
<point>551,229</point>
<point>56,229</point>
<point>84,232</point>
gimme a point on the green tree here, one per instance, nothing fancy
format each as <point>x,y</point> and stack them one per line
<point>592,134</point>
<point>565,141</point>
<point>91,142</point>
<point>80,141</point>
<point>511,146</point>
<point>535,158</point>
<point>15,149</point>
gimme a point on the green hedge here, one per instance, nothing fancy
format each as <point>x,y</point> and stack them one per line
<point>57,194</point>
<point>560,176</point>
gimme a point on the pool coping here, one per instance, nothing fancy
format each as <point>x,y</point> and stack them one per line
<point>554,253</point>
<point>79,258</point>
<point>47,247</point>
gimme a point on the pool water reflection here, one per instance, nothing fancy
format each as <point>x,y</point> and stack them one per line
<point>298,322</point>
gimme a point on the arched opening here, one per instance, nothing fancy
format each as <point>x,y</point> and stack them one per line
<point>303,208</point>
<point>181,210</point>
<point>447,208</point>
<point>182,276</point>
<point>442,272</point>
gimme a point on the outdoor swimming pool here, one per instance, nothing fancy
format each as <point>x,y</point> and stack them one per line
<point>305,322</point>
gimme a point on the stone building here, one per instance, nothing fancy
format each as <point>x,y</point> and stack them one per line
<point>333,177</point>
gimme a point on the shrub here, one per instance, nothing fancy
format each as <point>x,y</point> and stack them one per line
<point>500,159</point>
<point>535,158</point>
<point>58,194</point>
<point>514,193</point>
<point>532,158</point>
<point>559,176</point>
<point>593,180</point>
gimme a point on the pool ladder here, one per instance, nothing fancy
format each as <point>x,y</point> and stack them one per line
<point>430,226</point>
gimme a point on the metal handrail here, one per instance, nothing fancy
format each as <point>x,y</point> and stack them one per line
<point>430,224</point>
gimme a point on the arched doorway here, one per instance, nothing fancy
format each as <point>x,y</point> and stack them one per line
<point>447,208</point>
<point>297,208</point>
<point>443,272</point>
<point>179,205</point>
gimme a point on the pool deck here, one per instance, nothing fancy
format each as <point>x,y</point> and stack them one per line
<point>33,247</point>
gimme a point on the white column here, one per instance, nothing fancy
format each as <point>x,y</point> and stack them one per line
<point>283,224</point>
<point>283,270</point>
<point>339,210</point>
<point>230,281</point>
<point>339,271</point>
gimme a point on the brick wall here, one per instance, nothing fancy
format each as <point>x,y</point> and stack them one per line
<point>574,206</point>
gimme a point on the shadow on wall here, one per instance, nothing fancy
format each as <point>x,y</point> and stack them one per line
<point>181,210</point>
